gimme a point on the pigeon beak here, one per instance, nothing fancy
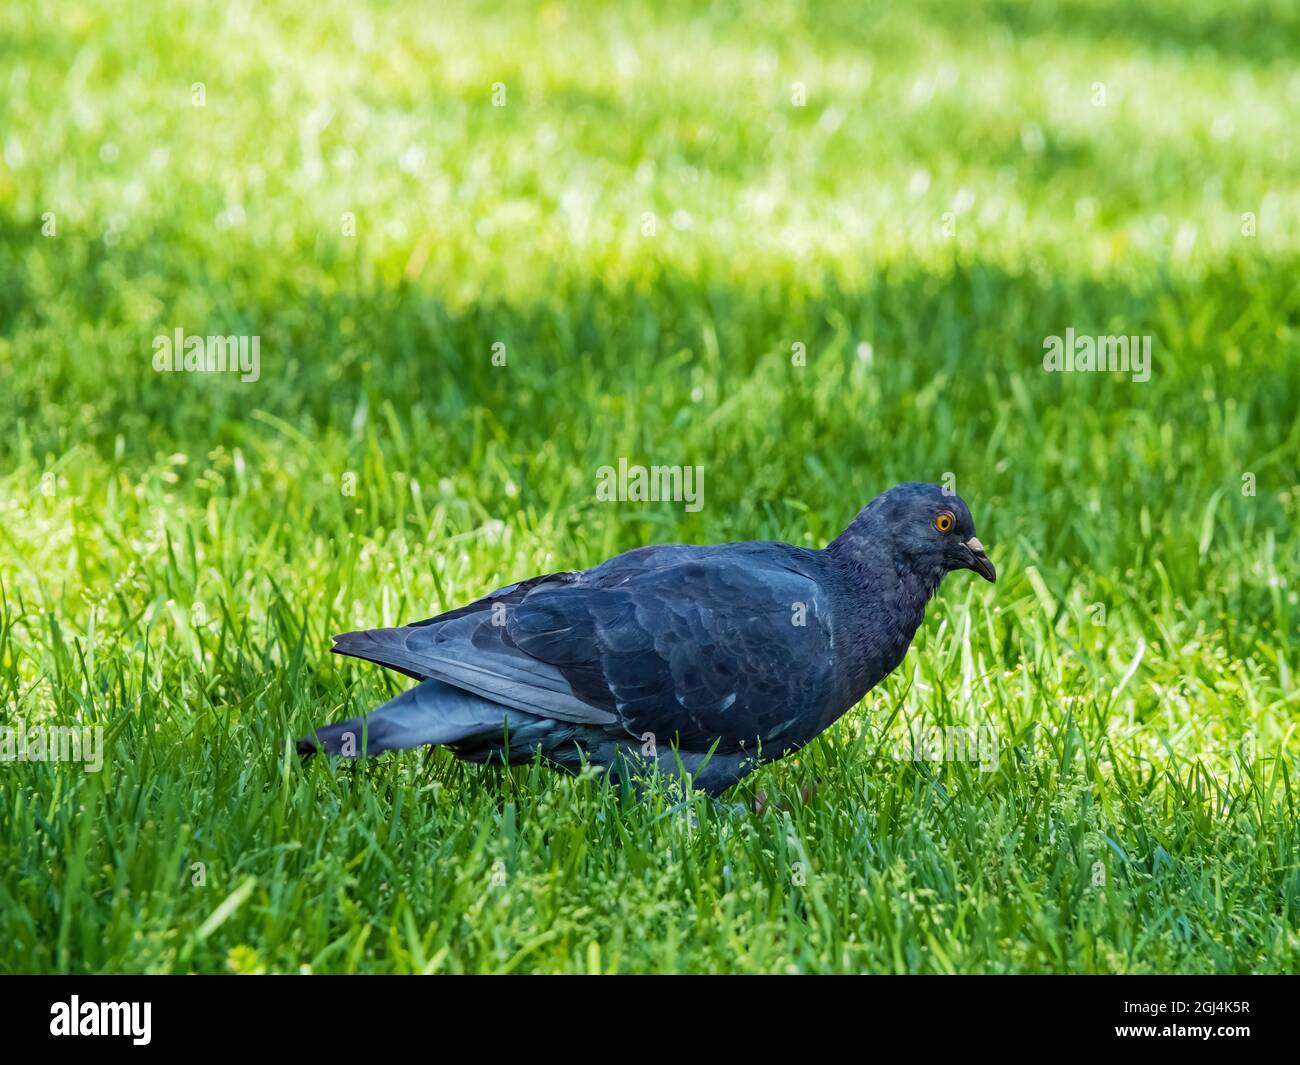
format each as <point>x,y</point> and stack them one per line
<point>979,561</point>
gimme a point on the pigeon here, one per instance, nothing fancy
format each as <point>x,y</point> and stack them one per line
<point>701,662</point>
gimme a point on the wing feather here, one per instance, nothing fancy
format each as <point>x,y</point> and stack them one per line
<point>701,646</point>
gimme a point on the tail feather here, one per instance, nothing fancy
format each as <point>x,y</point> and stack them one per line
<point>430,713</point>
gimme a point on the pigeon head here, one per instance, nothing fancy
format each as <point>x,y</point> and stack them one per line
<point>929,526</point>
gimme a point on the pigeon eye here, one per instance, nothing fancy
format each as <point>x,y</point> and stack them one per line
<point>944,522</point>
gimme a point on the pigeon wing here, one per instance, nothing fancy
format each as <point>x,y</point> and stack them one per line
<point>738,651</point>
<point>693,651</point>
<point>469,649</point>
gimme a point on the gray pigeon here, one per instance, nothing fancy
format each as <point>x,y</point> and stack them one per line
<point>710,660</point>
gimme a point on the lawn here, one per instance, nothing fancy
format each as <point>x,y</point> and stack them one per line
<point>487,249</point>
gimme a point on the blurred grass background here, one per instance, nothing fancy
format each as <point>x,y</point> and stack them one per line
<point>960,182</point>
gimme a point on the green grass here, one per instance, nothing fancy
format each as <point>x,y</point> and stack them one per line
<point>175,549</point>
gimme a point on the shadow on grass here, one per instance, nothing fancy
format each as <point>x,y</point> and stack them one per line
<point>80,369</point>
<point>1262,31</point>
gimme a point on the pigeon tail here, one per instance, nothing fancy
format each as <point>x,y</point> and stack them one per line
<point>430,713</point>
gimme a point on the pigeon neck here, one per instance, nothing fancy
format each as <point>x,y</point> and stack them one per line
<point>877,568</point>
<point>868,545</point>
<point>891,593</point>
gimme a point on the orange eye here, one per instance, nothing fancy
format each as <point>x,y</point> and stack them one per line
<point>944,522</point>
